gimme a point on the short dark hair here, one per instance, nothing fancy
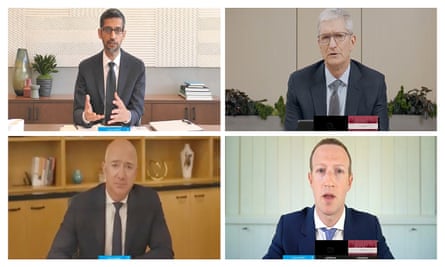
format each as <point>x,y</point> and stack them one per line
<point>112,13</point>
<point>331,141</point>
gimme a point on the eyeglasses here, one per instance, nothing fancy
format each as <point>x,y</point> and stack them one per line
<point>109,30</point>
<point>325,39</point>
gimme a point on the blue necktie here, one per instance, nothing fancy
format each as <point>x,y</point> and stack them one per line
<point>110,89</point>
<point>329,232</point>
<point>116,248</point>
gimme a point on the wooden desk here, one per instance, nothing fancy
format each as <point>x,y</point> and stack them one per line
<point>56,127</point>
<point>53,109</point>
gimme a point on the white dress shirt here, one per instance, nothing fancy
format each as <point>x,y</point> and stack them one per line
<point>340,225</point>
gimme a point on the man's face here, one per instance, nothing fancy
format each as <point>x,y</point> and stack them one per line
<point>120,169</point>
<point>112,35</point>
<point>336,53</point>
<point>330,179</point>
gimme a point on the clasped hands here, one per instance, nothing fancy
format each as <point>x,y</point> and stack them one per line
<point>119,114</point>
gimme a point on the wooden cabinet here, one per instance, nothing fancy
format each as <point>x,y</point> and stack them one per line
<point>172,107</point>
<point>54,109</point>
<point>193,218</point>
<point>58,109</point>
<point>87,153</point>
<point>32,226</point>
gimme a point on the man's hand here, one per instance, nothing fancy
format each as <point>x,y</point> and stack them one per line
<point>120,113</point>
<point>88,111</point>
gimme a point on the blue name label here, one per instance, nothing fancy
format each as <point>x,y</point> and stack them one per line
<point>113,128</point>
<point>118,257</point>
<point>298,257</point>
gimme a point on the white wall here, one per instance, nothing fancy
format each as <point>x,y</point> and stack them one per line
<point>161,37</point>
<point>394,178</point>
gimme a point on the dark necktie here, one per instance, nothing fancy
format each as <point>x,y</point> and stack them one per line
<point>334,102</point>
<point>117,231</point>
<point>109,94</point>
<point>329,232</point>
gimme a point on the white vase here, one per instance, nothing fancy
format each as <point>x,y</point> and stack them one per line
<point>187,155</point>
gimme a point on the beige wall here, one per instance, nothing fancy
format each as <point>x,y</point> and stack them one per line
<point>263,46</point>
<point>260,51</point>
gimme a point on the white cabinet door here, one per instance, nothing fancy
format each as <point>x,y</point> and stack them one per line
<point>411,241</point>
<point>248,241</point>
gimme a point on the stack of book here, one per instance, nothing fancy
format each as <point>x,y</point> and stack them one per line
<point>195,91</point>
<point>42,171</point>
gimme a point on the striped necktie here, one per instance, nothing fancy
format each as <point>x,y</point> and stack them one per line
<point>334,102</point>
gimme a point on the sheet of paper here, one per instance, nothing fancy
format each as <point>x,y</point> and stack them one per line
<point>174,125</point>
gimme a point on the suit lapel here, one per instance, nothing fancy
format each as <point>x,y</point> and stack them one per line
<point>354,93</point>
<point>98,71</point>
<point>131,228</point>
<point>123,73</point>
<point>318,91</point>
<point>348,233</point>
<point>99,222</point>
<point>308,232</point>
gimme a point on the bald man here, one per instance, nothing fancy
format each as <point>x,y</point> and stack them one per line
<point>87,228</point>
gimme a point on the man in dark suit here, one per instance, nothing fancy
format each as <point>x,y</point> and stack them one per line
<point>360,90</point>
<point>87,230</point>
<point>330,178</point>
<point>126,98</point>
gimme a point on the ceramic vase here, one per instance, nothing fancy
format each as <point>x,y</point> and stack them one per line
<point>77,177</point>
<point>22,71</point>
<point>187,156</point>
<point>45,86</point>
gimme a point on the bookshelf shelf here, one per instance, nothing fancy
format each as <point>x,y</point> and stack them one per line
<point>86,154</point>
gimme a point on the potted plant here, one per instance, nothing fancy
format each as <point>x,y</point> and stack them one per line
<point>415,107</point>
<point>44,65</point>
<point>266,117</point>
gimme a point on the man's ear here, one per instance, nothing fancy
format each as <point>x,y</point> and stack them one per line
<point>350,180</point>
<point>353,40</point>
<point>309,177</point>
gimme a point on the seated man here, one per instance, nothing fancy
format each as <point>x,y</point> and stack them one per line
<point>110,85</point>
<point>336,85</point>
<point>330,178</point>
<point>116,217</point>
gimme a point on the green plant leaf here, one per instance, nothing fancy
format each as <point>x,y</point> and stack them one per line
<point>413,102</point>
<point>45,65</point>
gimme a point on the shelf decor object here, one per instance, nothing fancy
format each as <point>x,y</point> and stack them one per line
<point>77,176</point>
<point>187,155</point>
<point>157,170</point>
<point>22,71</point>
<point>45,65</point>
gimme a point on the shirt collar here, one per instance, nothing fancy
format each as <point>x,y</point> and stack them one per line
<point>340,225</point>
<point>344,77</point>
<point>106,60</point>
<point>109,200</point>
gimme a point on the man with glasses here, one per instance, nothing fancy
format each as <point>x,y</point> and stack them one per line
<point>336,85</point>
<point>110,85</point>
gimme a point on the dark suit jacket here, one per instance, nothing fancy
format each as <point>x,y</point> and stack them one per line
<point>130,87</point>
<point>295,233</point>
<point>306,95</point>
<point>82,232</point>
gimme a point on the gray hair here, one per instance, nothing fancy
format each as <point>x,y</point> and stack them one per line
<point>336,13</point>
